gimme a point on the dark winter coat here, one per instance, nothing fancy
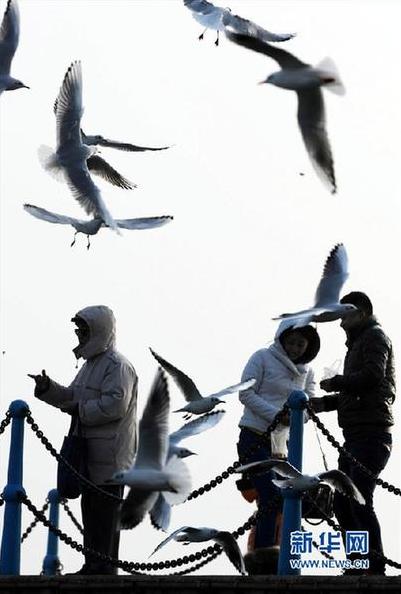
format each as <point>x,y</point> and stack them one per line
<point>367,386</point>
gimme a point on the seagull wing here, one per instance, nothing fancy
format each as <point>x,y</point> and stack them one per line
<point>88,194</point>
<point>335,273</point>
<point>258,467</point>
<point>9,36</point>
<point>233,389</point>
<point>282,57</point>
<point>242,26</point>
<point>51,217</point>
<point>68,107</point>
<point>184,382</point>
<point>126,146</point>
<point>100,167</point>
<point>230,546</point>
<point>144,223</point>
<point>200,6</point>
<point>135,506</point>
<point>286,469</point>
<point>160,514</point>
<point>153,426</point>
<point>340,481</point>
<point>171,536</point>
<point>311,120</point>
<point>196,426</point>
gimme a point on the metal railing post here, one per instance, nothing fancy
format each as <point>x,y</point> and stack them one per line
<point>10,555</point>
<point>292,510</point>
<point>51,562</point>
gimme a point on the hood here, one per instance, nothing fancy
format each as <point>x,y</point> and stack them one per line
<point>102,326</point>
<point>309,332</point>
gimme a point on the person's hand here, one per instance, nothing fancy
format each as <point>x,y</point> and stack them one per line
<point>317,404</point>
<point>326,385</point>
<point>42,382</point>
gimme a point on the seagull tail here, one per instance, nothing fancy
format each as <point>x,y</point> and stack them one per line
<point>179,481</point>
<point>329,72</point>
<point>49,161</point>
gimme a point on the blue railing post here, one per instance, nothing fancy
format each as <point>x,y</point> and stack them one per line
<point>51,562</point>
<point>10,555</point>
<point>292,499</point>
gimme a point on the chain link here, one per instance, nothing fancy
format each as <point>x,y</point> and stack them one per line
<point>35,522</point>
<point>71,516</point>
<point>391,488</point>
<point>6,421</point>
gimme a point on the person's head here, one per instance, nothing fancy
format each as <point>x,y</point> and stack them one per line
<point>95,330</point>
<point>300,344</point>
<point>82,330</point>
<point>358,316</point>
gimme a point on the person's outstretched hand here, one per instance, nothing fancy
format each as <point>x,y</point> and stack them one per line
<point>42,382</point>
<point>317,404</point>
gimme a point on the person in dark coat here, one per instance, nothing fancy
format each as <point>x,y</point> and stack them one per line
<point>363,397</point>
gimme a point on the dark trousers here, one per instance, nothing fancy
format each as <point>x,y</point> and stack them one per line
<point>100,522</point>
<point>267,523</point>
<point>373,452</point>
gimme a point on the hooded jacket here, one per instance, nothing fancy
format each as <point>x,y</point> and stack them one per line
<point>105,390</point>
<point>367,386</point>
<point>276,377</point>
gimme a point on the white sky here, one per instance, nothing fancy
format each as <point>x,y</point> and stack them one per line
<point>250,234</point>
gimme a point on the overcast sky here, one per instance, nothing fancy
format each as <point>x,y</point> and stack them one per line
<point>250,234</point>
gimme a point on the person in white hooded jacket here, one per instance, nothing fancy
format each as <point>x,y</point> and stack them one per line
<point>278,369</point>
<point>104,395</point>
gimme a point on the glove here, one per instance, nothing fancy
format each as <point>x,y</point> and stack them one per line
<point>42,383</point>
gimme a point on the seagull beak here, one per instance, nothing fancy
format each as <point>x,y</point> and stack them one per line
<point>26,87</point>
<point>262,82</point>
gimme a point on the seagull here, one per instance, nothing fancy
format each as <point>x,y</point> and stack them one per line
<point>71,154</point>
<point>306,81</point>
<point>226,540</point>
<point>304,482</point>
<point>151,472</point>
<point>197,404</point>
<point>327,306</point>
<point>92,226</point>
<point>160,514</point>
<point>217,18</point>
<point>9,36</point>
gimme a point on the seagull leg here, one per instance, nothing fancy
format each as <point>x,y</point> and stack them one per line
<point>216,43</point>
<point>89,242</point>
<point>202,34</point>
<point>75,236</point>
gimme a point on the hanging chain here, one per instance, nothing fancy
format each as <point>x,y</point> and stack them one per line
<point>6,421</point>
<point>35,522</point>
<point>71,516</point>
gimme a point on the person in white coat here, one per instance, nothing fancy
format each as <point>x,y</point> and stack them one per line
<point>104,396</point>
<point>278,369</point>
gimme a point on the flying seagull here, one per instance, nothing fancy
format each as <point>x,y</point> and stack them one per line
<point>71,154</point>
<point>303,482</point>
<point>160,514</point>
<point>151,472</point>
<point>217,18</point>
<point>306,81</point>
<point>197,404</point>
<point>9,36</point>
<point>327,306</point>
<point>92,226</point>
<point>188,534</point>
